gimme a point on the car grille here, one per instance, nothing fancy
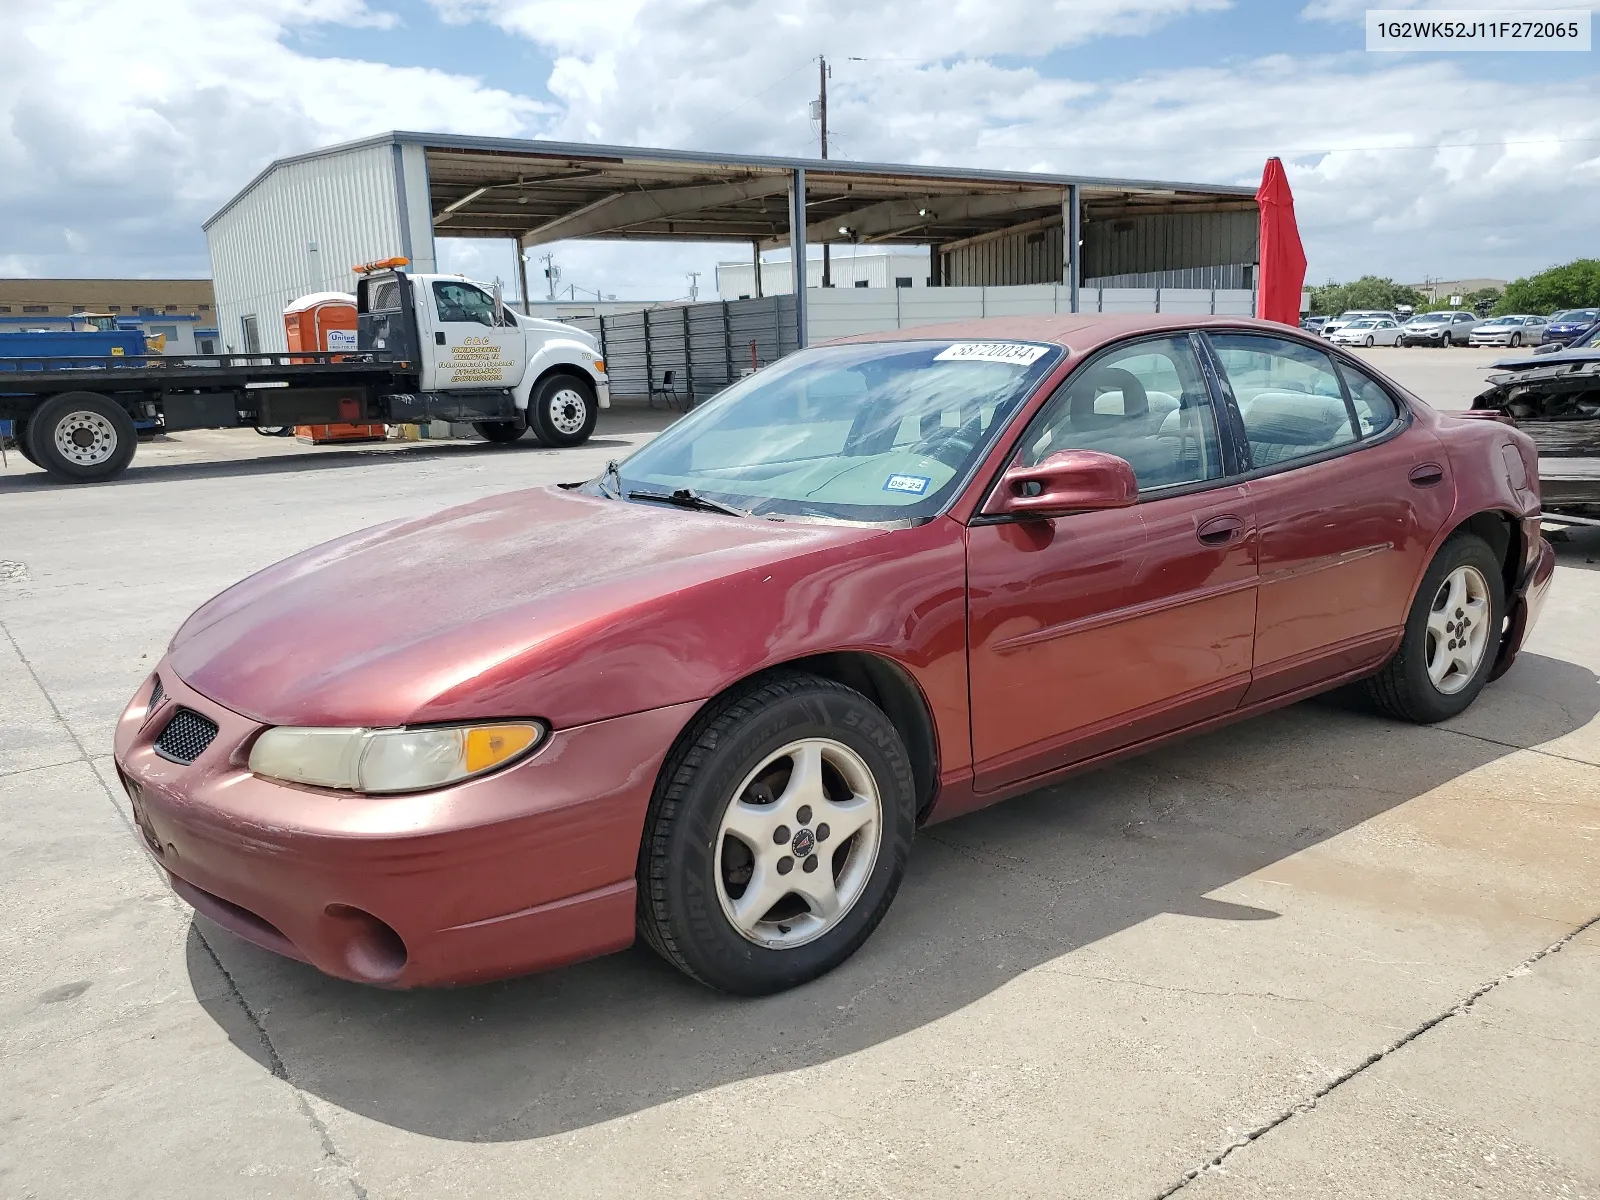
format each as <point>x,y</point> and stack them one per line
<point>186,736</point>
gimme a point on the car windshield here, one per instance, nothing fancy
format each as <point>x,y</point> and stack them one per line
<point>1505,321</point>
<point>1592,340</point>
<point>1367,323</point>
<point>1429,318</point>
<point>885,431</point>
<point>1579,316</point>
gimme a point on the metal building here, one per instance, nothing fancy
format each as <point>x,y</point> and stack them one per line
<point>300,224</point>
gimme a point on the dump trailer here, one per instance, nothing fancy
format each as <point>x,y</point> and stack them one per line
<point>428,347</point>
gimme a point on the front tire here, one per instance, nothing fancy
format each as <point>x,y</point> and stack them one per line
<point>1516,340</point>
<point>81,437</point>
<point>777,836</point>
<point>1437,672</point>
<point>500,431</point>
<point>563,411</point>
<point>1370,342</point>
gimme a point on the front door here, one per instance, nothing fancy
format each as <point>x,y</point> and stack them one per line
<point>1346,495</point>
<point>1098,630</point>
<point>470,345</point>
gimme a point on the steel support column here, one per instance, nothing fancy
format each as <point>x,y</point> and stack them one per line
<point>797,250</point>
<point>1072,234</point>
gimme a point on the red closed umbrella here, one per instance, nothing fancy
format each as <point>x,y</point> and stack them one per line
<point>1283,261</point>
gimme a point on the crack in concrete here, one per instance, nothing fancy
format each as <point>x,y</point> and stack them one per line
<point>275,1061</point>
<point>1182,991</point>
<point>1478,737</point>
<point>1460,1008</point>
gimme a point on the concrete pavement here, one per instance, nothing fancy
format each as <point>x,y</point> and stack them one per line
<point>1319,954</point>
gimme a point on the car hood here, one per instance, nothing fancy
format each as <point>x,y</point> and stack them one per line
<point>1584,355</point>
<point>445,616</point>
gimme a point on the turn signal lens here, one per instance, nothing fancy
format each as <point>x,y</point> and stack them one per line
<point>599,366</point>
<point>390,760</point>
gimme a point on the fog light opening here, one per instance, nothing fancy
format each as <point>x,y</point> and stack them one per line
<point>372,950</point>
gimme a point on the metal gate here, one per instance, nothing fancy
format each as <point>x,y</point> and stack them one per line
<point>703,347</point>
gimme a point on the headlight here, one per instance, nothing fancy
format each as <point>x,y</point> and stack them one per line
<point>391,760</point>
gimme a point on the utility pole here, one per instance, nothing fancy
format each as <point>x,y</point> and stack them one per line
<point>552,273</point>
<point>694,285</point>
<point>822,117</point>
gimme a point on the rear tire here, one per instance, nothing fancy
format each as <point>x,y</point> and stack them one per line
<point>1428,680</point>
<point>563,411</point>
<point>20,441</point>
<point>500,431</point>
<point>81,437</point>
<point>744,802</point>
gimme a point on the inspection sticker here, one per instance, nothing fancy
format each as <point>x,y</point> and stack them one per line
<point>1018,353</point>
<point>915,484</point>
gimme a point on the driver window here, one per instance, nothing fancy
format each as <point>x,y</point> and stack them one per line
<point>461,302</point>
<point>1146,403</point>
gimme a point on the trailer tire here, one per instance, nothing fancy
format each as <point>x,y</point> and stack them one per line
<point>82,437</point>
<point>563,410</point>
<point>500,431</point>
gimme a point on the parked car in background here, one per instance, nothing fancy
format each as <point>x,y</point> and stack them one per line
<point>1445,328</point>
<point>1518,329</point>
<point>1369,331</point>
<point>710,695</point>
<point>1313,324</point>
<point>1354,314</point>
<point>1569,325</point>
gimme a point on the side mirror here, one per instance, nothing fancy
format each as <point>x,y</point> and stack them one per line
<point>1067,481</point>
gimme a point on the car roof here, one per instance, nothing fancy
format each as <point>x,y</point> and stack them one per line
<point>1077,332</point>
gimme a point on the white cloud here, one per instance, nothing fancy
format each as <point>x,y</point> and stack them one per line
<point>127,126</point>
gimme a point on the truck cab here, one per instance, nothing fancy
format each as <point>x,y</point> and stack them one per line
<point>475,360</point>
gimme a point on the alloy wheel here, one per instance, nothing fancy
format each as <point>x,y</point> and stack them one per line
<point>1458,629</point>
<point>568,411</point>
<point>85,438</point>
<point>798,842</point>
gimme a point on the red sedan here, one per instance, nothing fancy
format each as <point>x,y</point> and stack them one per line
<point>710,695</point>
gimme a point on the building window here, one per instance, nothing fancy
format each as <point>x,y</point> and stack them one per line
<point>206,345</point>
<point>77,308</point>
<point>861,283</point>
<point>113,308</point>
<point>902,281</point>
<point>35,308</point>
<point>205,308</point>
<point>252,335</point>
<point>171,308</point>
<point>5,308</point>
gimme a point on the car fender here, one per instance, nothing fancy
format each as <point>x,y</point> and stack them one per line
<point>561,352</point>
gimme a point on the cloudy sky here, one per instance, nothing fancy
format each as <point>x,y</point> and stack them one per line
<point>126,125</point>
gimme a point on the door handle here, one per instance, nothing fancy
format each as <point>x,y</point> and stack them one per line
<point>438,339</point>
<point>1219,531</point>
<point>1427,475</point>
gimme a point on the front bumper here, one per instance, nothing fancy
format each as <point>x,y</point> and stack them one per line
<point>527,868</point>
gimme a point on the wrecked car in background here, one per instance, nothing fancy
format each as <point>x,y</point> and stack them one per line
<point>1555,399</point>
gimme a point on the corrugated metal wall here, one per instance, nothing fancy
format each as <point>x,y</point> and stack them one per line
<point>1166,243</point>
<point>261,257</point>
<point>1155,246</point>
<point>1012,260</point>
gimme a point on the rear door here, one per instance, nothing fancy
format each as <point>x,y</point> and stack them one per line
<point>467,343</point>
<point>1348,494</point>
<point>1096,630</point>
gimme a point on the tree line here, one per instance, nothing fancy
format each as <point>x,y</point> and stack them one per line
<point>1572,285</point>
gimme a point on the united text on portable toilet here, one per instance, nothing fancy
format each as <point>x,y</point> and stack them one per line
<point>326,321</point>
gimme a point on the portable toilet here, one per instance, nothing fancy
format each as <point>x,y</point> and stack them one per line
<point>326,321</point>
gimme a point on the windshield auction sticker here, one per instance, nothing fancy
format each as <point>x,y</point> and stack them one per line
<point>1017,353</point>
<point>1414,29</point>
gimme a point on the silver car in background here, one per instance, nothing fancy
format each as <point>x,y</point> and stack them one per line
<point>1445,328</point>
<point>1517,329</point>
<point>1354,314</point>
<point>1368,331</point>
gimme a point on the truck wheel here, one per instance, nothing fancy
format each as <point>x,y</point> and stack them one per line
<point>562,411</point>
<point>82,438</point>
<point>20,441</point>
<point>500,431</point>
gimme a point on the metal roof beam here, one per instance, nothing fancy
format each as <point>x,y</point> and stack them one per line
<point>616,212</point>
<point>889,216</point>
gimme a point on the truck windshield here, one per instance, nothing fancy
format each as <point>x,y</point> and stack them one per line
<point>866,432</point>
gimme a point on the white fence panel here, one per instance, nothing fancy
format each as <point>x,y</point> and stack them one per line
<point>1236,302</point>
<point>1186,300</point>
<point>1025,300</point>
<point>932,306</point>
<point>1127,300</point>
<point>836,313</point>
